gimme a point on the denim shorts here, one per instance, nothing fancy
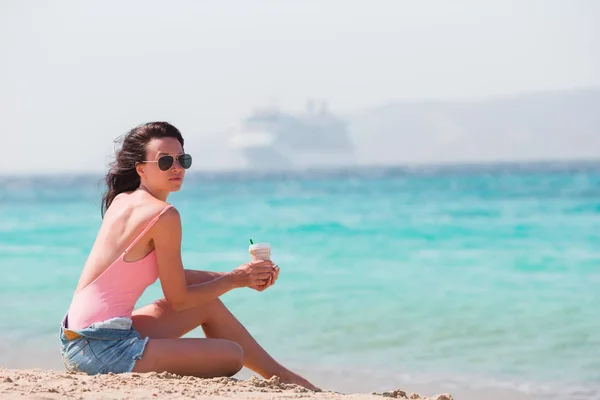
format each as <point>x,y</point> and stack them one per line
<point>110,346</point>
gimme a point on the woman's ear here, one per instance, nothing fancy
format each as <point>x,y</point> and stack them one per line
<point>139,167</point>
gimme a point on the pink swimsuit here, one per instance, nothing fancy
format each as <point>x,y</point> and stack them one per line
<point>115,292</point>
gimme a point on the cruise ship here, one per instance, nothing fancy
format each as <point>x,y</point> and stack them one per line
<point>270,139</point>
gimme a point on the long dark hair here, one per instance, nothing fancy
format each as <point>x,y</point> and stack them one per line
<point>122,175</point>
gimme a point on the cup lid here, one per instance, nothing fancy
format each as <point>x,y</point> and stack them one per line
<point>259,246</point>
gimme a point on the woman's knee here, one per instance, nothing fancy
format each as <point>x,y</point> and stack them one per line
<point>213,310</point>
<point>234,357</point>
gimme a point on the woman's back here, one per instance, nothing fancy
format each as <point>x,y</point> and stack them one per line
<point>122,263</point>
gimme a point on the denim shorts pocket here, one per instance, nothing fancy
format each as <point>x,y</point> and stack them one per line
<point>72,353</point>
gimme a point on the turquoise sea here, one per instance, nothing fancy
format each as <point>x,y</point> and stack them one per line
<point>485,277</point>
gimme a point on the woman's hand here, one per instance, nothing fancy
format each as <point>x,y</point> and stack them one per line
<point>270,282</point>
<point>254,274</point>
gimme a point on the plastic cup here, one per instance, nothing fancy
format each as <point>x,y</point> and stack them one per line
<point>260,251</point>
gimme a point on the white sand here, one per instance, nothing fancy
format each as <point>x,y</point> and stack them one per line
<point>46,384</point>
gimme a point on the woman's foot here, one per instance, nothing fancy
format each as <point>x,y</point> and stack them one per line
<point>288,376</point>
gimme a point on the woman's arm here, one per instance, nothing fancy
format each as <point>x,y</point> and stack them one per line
<point>195,276</point>
<point>166,234</point>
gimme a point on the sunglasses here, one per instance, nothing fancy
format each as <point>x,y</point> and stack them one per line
<point>166,162</point>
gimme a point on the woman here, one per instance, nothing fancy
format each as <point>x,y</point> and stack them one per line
<point>140,241</point>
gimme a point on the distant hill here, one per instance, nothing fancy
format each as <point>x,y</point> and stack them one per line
<point>538,126</point>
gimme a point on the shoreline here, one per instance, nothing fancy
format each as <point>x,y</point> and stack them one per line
<point>48,384</point>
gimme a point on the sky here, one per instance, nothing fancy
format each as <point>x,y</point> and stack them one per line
<point>75,75</point>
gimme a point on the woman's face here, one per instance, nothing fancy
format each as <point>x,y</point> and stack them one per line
<point>163,170</point>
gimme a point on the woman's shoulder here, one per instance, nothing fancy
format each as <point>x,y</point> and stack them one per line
<point>157,208</point>
<point>168,218</point>
<point>142,205</point>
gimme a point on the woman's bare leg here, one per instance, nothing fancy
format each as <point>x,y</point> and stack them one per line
<point>204,358</point>
<point>160,321</point>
